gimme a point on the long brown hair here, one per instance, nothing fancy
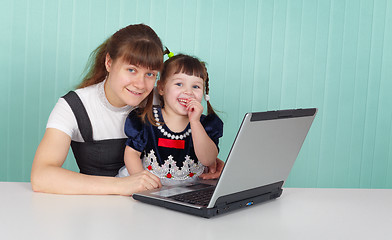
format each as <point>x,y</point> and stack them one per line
<point>180,63</point>
<point>137,44</point>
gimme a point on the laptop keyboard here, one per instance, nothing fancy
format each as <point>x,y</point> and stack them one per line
<point>201,197</point>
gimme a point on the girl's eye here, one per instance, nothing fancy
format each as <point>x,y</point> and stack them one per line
<point>131,70</point>
<point>178,84</point>
<point>150,74</point>
<point>196,87</point>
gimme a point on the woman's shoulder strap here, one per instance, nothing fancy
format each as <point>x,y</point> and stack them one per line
<point>81,115</point>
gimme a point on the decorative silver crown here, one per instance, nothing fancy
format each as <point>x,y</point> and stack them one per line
<point>169,169</point>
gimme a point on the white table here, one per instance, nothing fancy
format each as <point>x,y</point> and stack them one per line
<point>297,214</point>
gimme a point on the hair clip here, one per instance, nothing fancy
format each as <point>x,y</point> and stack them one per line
<point>207,97</point>
<point>170,54</point>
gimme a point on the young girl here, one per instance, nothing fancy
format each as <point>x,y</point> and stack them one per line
<point>175,140</point>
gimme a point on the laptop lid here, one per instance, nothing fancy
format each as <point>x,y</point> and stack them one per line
<point>264,150</point>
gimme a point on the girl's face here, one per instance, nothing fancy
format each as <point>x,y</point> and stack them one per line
<point>127,84</point>
<point>179,89</point>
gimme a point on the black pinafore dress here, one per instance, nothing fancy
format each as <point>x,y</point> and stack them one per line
<point>101,158</point>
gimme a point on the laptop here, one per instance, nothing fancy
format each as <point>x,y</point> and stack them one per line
<point>258,164</point>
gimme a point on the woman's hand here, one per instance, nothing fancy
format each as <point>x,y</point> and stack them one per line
<point>47,174</point>
<point>214,171</point>
<point>138,182</point>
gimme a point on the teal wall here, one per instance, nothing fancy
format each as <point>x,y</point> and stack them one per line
<point>335,55</point>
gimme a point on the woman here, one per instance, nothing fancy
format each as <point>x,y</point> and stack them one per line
<point>122,74</point>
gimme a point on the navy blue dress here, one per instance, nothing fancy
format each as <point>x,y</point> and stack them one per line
<point>167,154</point>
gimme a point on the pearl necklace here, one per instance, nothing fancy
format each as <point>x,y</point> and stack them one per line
<point>165,133</point>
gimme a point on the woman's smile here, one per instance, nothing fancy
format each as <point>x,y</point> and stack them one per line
<point>134,92</point>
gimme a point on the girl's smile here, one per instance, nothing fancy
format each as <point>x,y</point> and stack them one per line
<point>183,101</point>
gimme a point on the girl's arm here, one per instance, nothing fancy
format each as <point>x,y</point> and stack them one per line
<point>47,174</point>
<point>205,149</point>
<point>132,160</point>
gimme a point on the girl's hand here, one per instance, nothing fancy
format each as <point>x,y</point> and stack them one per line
<point>195,109</point>
<point>139,182</point>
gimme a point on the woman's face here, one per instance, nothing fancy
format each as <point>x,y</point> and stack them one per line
<point>127,84</point>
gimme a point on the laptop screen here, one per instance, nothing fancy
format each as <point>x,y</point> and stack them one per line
<point>264,150</point>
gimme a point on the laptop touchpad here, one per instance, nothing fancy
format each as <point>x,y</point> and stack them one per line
<point>180,189</point>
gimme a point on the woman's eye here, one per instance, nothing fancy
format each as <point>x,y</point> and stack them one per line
<point>196,87</point>
<point>178,84</point>
<point>131,70</point>
<point>150,74</point>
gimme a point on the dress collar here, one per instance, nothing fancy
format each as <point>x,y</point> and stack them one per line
<point>162,128</point>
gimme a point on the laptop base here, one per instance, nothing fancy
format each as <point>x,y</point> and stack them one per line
<point>224,204</point>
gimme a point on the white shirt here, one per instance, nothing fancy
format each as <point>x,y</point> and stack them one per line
<point>107,121</point>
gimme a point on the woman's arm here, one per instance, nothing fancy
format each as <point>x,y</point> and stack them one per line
<point>47,174</point>
<point>132,160</point>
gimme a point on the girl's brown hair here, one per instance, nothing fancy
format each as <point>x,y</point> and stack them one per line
<point>180,64</point>
<point>136,44</point>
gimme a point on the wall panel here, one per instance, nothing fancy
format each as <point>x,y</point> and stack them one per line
<point>335,55</point>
